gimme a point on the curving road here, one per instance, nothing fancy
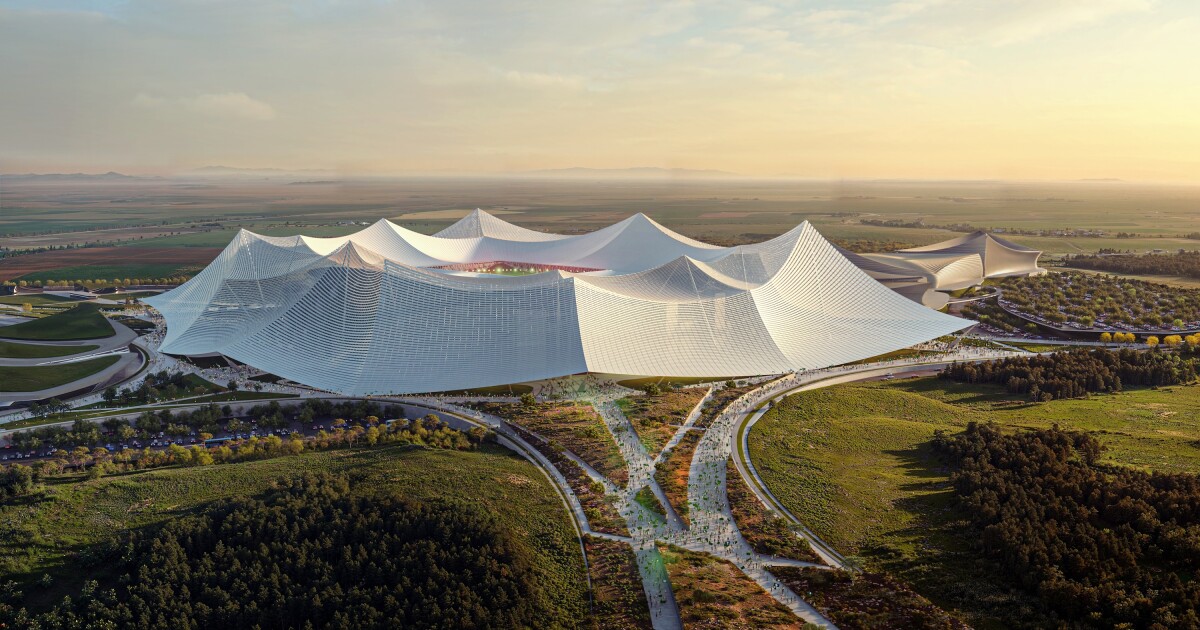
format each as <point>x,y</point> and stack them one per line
<point>817,379</point>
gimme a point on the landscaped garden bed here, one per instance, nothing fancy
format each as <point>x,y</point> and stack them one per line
<point>576,427</point>
<point>671,473</point>
<point>865,600</point>
<point>767,532</point>
<point>713,593</point>
<point>657,416</point>
<point>597,506</point>
<point>620,599</point>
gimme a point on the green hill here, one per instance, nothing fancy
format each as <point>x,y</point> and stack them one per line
<point>81,322</point>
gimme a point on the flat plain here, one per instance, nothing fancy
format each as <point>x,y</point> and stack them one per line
<point>165,215</point>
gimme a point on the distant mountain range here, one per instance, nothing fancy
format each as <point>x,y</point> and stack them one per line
<point>69,177</point>
<point>639,172</point>
<point>233,171</point>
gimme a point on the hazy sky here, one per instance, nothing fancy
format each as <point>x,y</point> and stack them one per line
<point>918,88</point>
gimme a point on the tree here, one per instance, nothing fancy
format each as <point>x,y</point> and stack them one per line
<point>528,401</point>
<point>1152,341</point>
<point>232,385</point>
<point>110,394</point>
<point>1106,337</point>
<point>27,307</point>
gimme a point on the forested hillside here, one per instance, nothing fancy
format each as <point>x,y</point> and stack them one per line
<point>312,554</point>
<point>1076,373</point>
<point>1100,546</point>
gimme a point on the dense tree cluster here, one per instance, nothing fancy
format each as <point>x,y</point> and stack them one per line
<point>87,445</point>
<point>1181,263</point>
<point>1076,373</point>
<point>314,554</point>
<point>16,481</point>
<point>157,386</point>
<point>1093,300</point>
<point>1102,547</point>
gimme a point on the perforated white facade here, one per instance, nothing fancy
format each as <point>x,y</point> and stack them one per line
<point>380,311</point>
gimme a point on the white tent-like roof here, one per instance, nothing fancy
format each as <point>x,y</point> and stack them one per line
<point>955,264</point>
<point>375,312</point>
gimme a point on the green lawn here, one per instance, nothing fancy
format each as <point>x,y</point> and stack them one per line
<point>69,532</point>
<point>853,462</point>
<point>645,497</point>
<point>82,322</point>
<point>34,299</point>
<point>32,379</point>
<point>13,350</point>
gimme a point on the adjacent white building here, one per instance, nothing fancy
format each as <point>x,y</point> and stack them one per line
<point>925,273</point>
<point>389,311</point>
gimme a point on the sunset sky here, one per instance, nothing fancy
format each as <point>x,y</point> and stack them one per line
<point>933,89</point>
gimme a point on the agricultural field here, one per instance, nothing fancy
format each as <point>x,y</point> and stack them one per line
<point>39,377</point>
<point>855,464</point>
<point>71,530</point>
<point>205,213</point>
<point>106,263</point>
<point>81,322</point>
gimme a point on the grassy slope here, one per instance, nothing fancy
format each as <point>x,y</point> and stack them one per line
<point>82,322</point>
<point>853,463</point>
<point>45,535</point>
<point>10,350</point>
<point>34,299</point>
<point>32,379</point>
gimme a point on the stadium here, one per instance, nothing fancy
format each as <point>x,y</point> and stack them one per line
<point>389,311</point>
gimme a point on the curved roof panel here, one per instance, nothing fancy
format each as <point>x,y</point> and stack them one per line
<point>371,313</point>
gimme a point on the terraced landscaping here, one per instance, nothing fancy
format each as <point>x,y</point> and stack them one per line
<point>672,471</point>
<point>81,322</point>
<point>12,350</point>
<point>39,377</point>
